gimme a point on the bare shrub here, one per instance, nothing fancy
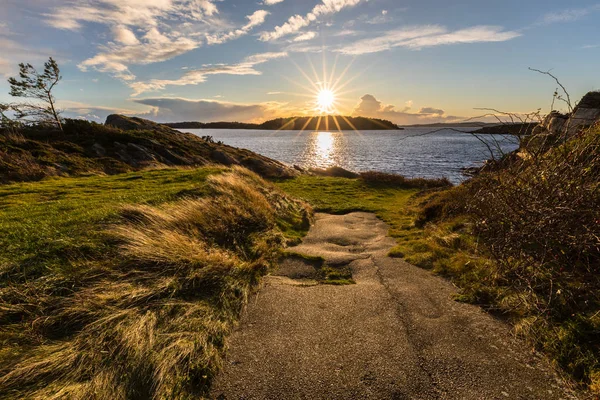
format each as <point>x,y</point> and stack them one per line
<point>540,220</point>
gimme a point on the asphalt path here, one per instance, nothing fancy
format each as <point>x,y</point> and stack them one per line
<point>396,334</point>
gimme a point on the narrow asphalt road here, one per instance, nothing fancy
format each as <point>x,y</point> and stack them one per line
<point>396,334</point>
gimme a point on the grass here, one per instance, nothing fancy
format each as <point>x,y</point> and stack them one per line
<point>343,195</point>
<point>126,286</point>
<point>58,225</point>
<point>389,199</point>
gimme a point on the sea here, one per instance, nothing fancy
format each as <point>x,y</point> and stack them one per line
<point>413,152</point>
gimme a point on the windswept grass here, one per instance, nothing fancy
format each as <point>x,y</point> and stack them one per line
<point>154,280</point>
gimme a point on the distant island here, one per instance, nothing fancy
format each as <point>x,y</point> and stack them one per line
<point>318,123</point>
<point>453,125</point>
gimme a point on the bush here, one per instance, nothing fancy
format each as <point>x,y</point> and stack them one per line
<point>538,220</point>
<point>385,179</point>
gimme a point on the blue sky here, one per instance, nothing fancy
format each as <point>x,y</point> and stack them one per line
<point>410,61</point>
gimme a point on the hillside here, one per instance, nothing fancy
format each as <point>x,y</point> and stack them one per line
<point>122,145</point>
<point>315,123</point>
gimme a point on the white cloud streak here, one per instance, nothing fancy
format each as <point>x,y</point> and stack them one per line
<point>173,109</point>
<point>297,22</point>
<point>419,37</point>
<point>254,20</point>
<point>305,37</point>
<point>197,76</point>
<point>569,15</point>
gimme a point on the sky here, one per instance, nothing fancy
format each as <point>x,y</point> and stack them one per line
<point>408,61</point>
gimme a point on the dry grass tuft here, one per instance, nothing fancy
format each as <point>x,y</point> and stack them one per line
<point>153,325</point>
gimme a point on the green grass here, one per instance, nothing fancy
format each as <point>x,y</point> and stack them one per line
<point>393,204</point>
<point>343,195</point>
<point>57,225</point>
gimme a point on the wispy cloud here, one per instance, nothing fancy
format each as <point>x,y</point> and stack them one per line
<point>297,22</point>
<point>197,76</point>
<point>154,46</point>
<point>138,13</point>
<point>418,37</point>
<point>254,20</point>
<point>305,37</point>
<point>271,2</point>
<point>569,15</point>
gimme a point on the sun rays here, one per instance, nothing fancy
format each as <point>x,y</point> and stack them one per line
<point>325,94</point>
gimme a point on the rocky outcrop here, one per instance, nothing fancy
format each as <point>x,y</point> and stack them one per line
<point>189,149</point>
<point>586,114</point>
<point>124,144</point>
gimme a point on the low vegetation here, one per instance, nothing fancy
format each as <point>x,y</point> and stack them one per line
<point>524,242</point>
<point>125,286</point>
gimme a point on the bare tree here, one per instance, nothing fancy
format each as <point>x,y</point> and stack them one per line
<point>37,86</point>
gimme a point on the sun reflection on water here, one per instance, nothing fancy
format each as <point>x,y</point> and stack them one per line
<point>324,147</point>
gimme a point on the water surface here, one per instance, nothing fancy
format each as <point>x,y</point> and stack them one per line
<point>414,152</point>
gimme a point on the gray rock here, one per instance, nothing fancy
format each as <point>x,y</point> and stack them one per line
<point>223,158</point>
<point>99,150</point>
<point>140,152</point>
<point>586,114</point>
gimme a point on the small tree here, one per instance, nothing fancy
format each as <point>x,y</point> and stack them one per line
<point>37,86</point>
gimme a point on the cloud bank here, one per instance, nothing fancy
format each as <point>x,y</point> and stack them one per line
<point>370,107</point>
<point>167,109</point>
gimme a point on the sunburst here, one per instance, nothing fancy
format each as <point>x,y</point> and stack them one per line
<point>326,100</point>
<point>326,92</point>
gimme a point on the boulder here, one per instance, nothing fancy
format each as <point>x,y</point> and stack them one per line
<point>585,114</point>
<point>140,153</point>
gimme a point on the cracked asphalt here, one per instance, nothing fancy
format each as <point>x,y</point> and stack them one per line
<point>396,334</point>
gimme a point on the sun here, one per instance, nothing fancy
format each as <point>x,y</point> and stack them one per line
<point>326,101</point>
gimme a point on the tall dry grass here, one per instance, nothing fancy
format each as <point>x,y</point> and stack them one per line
<point>153,326</point>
